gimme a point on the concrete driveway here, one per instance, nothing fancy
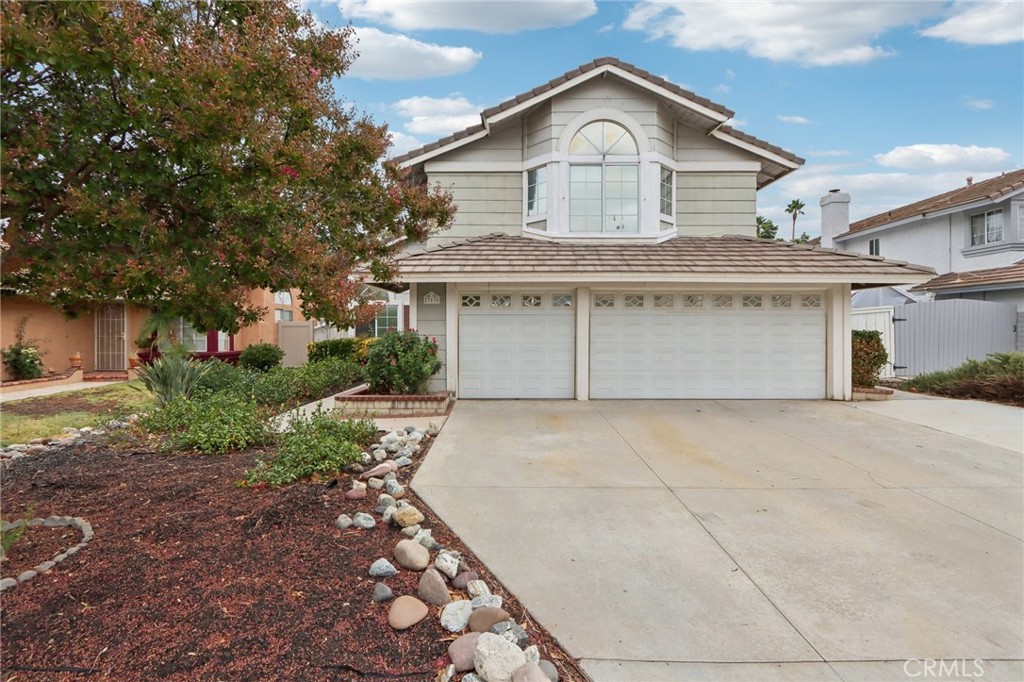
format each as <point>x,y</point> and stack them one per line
<point>748,540</point>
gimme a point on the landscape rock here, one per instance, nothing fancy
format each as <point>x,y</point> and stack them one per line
<point>382,568</point>
<point>485,600</point>
<point>408,516</point>
<point>355,494</point>
<point>461,651</point>
<point>550,670</point>
<point>376,471</point>
<point>432,589</point>
<point>405,612</point>
<point>412,555</point>
<point>496,659</point>
<point>477,588</point>
<point>380,455</point>
<point>363,520</point>
<point>483,619</point>
<point>529,672</point>
<point>446,675</point>
<point>511,631</point>
<point>532,654</point>
<point>447,563</point>
<point>385,500</point>
<point>381,592</point>
<point>35,450</point>
<point>375,483</point>
<point>390,464</point>
<point>26,575</point>
<point>388,513</point>
<point>394,488</point>
<point>472,677</point>
<point>353,468</point>
<point>425,538</point>
<point>411,531</point>
<point>343,521</point>
<point>462,579</point>
<point>455,616</point>
<point>390,476</point>
<point>8,583</point>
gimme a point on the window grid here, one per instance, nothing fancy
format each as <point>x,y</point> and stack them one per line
<point>721,301</point>
<point>663,301</point>
<point>537,191</point>
<point>501,300</point>
<point>471,300</point>
<point>782,300</point>
<point>751,301</point>
<point>810,301</point>
<point>531,301</point>
<point>561,301</point>
<point>633,301</point>
<point>282,298</point>
<point>693,301</point>
<point>874,247</point>
<point>604,301</point>
<point>666,191</point>
<point>987,228</point>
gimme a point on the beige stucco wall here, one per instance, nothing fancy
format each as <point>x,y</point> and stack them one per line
<point>265,331</point>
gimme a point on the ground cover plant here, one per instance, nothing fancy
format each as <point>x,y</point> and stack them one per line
<point>998,378</point>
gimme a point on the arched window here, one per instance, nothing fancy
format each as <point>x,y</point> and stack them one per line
<point>604,179</point>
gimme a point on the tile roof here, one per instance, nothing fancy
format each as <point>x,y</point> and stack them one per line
<point>1008,274</point>
<point>992,189</point>
<point>700,256</point>
<point>581,70</point>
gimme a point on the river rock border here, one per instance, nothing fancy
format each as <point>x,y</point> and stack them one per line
<point>49,522</point>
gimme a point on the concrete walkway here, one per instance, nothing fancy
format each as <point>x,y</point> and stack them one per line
<point>52,390</point>
<point>746,540</point>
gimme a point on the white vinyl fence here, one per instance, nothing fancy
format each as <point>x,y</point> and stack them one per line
<point>880,320</point>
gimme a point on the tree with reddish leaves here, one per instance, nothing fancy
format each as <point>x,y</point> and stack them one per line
<point>178,153</point>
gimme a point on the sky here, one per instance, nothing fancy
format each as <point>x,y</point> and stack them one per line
<point>890,101</point>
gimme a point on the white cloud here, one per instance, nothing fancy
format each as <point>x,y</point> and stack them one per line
<point>826,153</point>
<point>437,116</point>
<point>807,33</point>
<point>402,143</point>
<point>942,156</point>
<point>606,28</point>
<point>982,23</point>
<point>797,120</point>
<point>738,122</point>
<point>487,16</point>
<point>982,104</point>
<point>729,73</point>
<point>389,56</point>
<point>723,88</point>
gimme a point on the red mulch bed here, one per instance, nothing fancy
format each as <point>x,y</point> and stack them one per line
<point>190,577</point>
<point>36,545</point>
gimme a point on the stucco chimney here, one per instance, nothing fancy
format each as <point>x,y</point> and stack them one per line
<point>970,180</point>
<point>835,216</point>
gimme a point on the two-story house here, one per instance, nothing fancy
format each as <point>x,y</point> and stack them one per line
<point>973,235</point>
<point>604,247</point>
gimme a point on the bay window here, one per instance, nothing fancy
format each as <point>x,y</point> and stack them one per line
<point>604,179</point>
<point>537,191</point>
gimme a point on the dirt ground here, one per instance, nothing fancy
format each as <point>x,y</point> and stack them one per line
<point>191,577</point>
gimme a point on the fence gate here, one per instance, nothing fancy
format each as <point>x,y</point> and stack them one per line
<point>293,337</point>
<point>111,349</point>
<point>879,319</point>
<point>938,335</point>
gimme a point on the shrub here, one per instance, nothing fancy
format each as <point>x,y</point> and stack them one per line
<point>318,444</point>
<point>172,376</point>
<point>218,422</point>
<point>22,358</point>
<point>261,357</point>
<point>221,376</point>
<point>399,363</point>
<point>332,348</point>
<point>317,380</point>
<point>869,357</point>
<point>1000,377</point>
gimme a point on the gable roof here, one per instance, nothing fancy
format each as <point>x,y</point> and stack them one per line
<point>733,259</point>
<point>702,112</point>
<point>1007,274</point>
<point>992,189</point>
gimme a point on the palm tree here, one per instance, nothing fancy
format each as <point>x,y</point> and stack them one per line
<point>795,208</point>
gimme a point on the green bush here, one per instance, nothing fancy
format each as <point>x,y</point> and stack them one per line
<point>1000,377</point>
<point>345,349</point>
<point>400,363</point>
<point>317,380</point>
<point>316,445</point>
<point>218,422</point>
<point>22,358</point>
<point>261,357</point>
<point>221,376</point>
<point>172,376</point>
<point>869,357</point>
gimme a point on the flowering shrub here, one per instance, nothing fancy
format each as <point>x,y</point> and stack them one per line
<point>399,363</point>
<point>22,358</point>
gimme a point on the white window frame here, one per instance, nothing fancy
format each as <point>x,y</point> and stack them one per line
<point>541,213</point>
<point>187,336</point>
<point>874,247</point>
<point>282,298</point>
<point>670,215</point>
<point>984,238</point>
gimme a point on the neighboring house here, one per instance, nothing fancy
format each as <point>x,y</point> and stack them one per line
<point>105,336</point>
<point>604,248</point>
<point>973,235</point>
<point>394,314</point>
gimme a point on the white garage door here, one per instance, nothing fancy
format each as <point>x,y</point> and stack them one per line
<point>707,345</point>
<point>517,345</point>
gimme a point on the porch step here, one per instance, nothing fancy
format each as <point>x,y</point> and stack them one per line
<point>107,375</point>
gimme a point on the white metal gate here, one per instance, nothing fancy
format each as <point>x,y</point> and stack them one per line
<point>879,319</point>
<point>111,351</point>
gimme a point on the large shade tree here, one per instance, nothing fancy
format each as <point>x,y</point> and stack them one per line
<point>178,153</point>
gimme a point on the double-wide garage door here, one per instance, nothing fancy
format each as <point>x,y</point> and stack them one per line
<point>645,345</point>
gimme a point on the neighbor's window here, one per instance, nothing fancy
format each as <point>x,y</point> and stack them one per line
<point>537,191</point>
<point>282,298</point>
<point>604,180</point>
<point>283,315</point>
<point>987,228</point>
<point>873,247</point>
<point>190,338</point>
<point>666,191</point>
<point>386,319</point>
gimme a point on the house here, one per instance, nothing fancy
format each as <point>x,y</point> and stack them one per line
<point>105,336</point>
<point>973,235</point>
<point>604,247</point>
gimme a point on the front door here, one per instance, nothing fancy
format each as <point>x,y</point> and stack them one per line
<point>111,354</point>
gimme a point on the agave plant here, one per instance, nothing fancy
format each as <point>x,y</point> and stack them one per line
<point>172,376</point>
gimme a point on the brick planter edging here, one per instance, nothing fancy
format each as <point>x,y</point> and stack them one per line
<point>864,393</point>
<point>58,379</point>
<point>49,522</point>
<point>360,405</point>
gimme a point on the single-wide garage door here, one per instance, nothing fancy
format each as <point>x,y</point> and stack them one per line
<point>517,344</point>
<point>707,345</point>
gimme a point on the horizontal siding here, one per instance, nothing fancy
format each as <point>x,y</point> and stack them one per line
<point>540,135</point>
<point>487,202</point>
<point>504,144</point>
<point>609,93</point>
<point>430,321</point>
<point>695,145</point>
<point>716,203</point>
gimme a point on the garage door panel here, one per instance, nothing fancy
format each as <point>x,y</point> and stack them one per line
<point>737,353</point>
<point>517,354</point>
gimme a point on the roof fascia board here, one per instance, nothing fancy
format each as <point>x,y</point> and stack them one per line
<point>754,149</point>
<point>674,278</point>
<point>444,149</point>
<point>965,288</point>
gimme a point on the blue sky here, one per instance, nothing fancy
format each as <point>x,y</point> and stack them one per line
<point>891,101</point>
